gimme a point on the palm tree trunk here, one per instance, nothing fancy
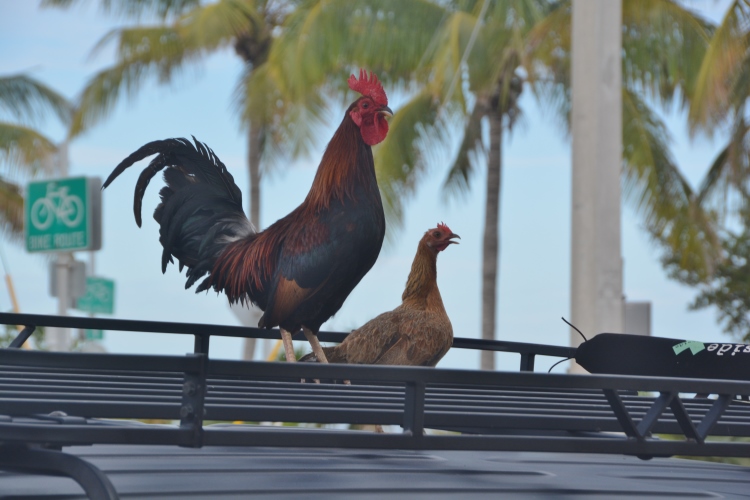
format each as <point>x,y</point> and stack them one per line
<point>255,147</point>
<point>490,244</point>
<point>254,142</point>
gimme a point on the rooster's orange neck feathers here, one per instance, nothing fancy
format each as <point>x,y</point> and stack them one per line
<point>342,168</point>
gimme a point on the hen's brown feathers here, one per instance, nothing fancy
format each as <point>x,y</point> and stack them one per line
<point>416,333</point>
<point>404,336</point>
<point>421,290</point>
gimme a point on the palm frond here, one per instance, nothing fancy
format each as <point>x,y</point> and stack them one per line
<point>663,45</point>
<point>547,61</point>
<point>692,246</point>
<point>217,24</point>
<point>142,53</point>
<point>729,172</point>
<point>132,8</point>
<point>711,100</point>
<point>28,100</point>
<point>290,126</point>
<point>446,61</point>
<point>11,210</point>
<point>671,211</point>
<point>415,131</point>
<point>471,154</point>
<point>322,42</point>
<point>24,150</point>
<point>740,89</point>
<point>652,180</point>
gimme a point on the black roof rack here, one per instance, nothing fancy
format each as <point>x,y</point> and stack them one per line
<point>50,400</point>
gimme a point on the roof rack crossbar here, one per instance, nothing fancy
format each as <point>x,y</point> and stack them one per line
<point>22,337</point>
<point>654,413</point>
<point>203,332</point>
<point>712,417</point>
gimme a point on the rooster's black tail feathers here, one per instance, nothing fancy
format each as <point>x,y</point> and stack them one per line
<point>201,206</point>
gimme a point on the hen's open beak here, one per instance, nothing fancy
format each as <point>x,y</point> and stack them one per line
<point>453,235</point>
<point>385,110</point>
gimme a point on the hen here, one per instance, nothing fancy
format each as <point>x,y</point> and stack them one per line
<point>301,269</point>
<point>416,333</point>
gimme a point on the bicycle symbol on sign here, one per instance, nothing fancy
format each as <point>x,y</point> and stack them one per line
<point>99,292</point>
<point>57,205</point>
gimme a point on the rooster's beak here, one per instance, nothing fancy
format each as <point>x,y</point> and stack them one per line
<point>453,235</point>
<point>385,110</point>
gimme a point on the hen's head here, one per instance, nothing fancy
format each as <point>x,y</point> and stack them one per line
<point>370,110</point>
<point>439,238</point>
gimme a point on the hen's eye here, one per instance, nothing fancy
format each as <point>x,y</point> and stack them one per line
<point>436,234</point>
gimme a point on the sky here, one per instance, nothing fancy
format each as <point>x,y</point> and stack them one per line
<point>54,46</point>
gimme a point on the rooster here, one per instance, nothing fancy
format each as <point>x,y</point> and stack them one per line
<point>301,269</point>
<point>416,333</point>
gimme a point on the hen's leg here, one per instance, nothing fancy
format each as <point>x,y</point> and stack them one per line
<point>286,338</point>
<point>313,339</point>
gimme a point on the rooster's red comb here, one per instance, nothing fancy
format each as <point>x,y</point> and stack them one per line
<point>369,86</point>
<point>443,227</point>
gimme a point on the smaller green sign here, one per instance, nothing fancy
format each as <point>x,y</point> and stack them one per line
<point>99,296</point>
<point>93,334</point>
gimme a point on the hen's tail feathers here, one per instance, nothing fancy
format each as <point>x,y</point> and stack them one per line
<point>201,206</point>
<point>333,355</point>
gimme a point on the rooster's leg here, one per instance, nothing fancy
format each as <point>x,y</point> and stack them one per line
<point>313,339</point>
<point>319,353</point>
<point>286,338</point>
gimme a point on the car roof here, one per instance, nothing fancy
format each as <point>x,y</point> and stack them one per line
<point>156,472</point>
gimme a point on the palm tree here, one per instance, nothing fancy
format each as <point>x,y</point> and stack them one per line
<point>719,102</point>
<point>190,32</point>
<point>468,69</point>
<point>24,151</point>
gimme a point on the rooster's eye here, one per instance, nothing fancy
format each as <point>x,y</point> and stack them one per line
<point>365,105</point>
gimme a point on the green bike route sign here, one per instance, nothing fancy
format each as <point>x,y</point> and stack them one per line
<point>63,215</point>
<point>89,334</point>
<point>99,296</point>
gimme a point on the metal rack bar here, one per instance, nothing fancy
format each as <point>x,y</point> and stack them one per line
<point>203,332</point>
<point>37,461</point>
<point>22,337</point>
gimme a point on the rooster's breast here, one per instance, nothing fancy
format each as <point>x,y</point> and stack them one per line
<point>323,258</point>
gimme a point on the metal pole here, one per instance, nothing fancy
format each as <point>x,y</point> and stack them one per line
<point>596,257</point>
<point>59,338</point>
